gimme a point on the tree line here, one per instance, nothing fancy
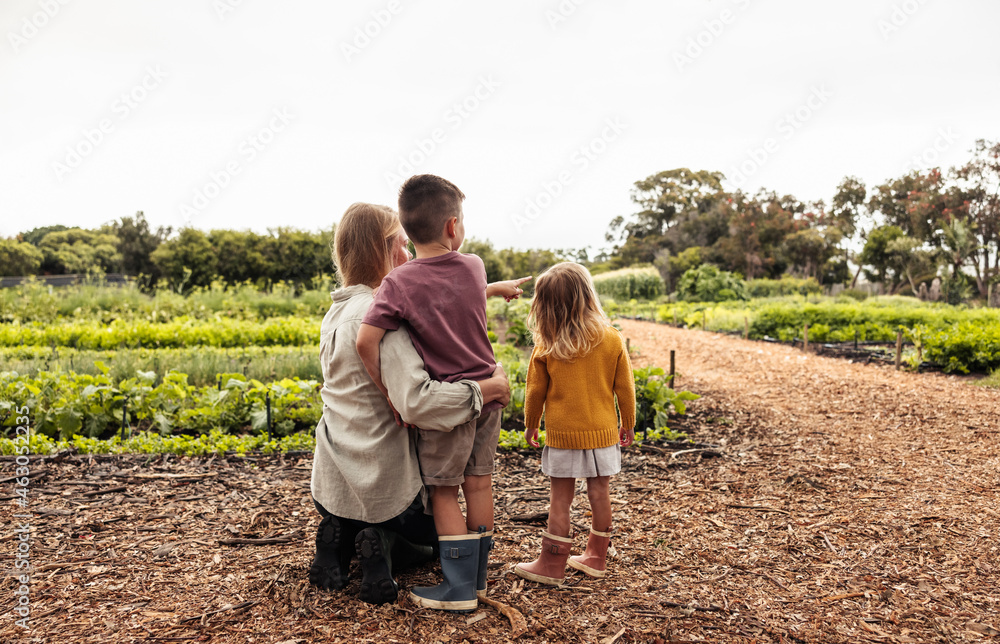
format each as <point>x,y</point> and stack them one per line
<point>190,258</point>
<point>904,232</point>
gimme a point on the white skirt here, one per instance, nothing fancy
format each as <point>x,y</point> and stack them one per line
<point>581,463</point>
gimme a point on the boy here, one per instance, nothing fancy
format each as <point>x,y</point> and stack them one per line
<point>441,295</point>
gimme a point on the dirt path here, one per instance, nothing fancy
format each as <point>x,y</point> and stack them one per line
<point>851,504</point>
<point>884,487</point>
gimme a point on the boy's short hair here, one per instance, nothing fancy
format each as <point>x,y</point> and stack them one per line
<point>426,203</point>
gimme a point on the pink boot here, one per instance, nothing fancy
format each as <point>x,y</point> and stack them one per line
<point>550,567</point>
<point>593,561</point>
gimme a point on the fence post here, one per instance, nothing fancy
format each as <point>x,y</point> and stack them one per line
<point>855,339</point>
<point>267,399</point>
<point>899,349</point>
<point>124,417</point>
<point>628,346</point>
<point>805,337</point>
<point>673,371</point>
<point>746,327</point>
<point>704,320</point>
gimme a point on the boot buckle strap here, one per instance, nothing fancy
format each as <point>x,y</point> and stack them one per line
<point>456,553</point>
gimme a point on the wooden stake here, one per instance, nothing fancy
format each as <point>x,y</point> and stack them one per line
<point>805,337</point>
<point>672,371</point>
<point>704,320</point>
<point>746,327</point>
<point>899,349</point>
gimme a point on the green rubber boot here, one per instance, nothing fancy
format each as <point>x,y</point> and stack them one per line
<point>460,569</point>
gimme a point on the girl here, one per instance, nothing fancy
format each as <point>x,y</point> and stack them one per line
<point>578,368</point>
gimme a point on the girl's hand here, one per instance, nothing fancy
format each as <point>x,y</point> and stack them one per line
<point>625,436</point>
<point>531,435</point>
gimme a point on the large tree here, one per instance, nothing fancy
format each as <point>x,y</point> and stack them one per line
<point>981,183</point>
<point>18,258</point>
<point>187,260</point>
<point>79,251</point>
<point>667,201</point>
<point>136,243</point>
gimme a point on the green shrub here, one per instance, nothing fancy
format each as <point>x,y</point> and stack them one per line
<point>642,283</point>
<point>786,285</point>
<point>707,283</point>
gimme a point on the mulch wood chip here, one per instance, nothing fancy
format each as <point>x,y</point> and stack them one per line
<point>822,501</point>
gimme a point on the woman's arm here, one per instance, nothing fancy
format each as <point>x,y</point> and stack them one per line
<point>425,402</point>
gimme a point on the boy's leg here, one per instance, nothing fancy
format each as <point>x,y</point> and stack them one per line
<point>448,519</point>
<point>478,491</point>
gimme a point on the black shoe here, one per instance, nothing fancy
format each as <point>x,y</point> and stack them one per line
<point>329,569</point>
<point>377,585</point>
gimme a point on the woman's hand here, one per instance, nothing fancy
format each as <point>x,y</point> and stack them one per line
<point>531,435</point>
<point>399,419</point>
<point>625,436</point>
<point>496,387</point>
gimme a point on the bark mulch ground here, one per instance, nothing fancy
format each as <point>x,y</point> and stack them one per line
<point>823,501</point>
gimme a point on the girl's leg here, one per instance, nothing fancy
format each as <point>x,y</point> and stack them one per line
<point>593,561</point>
<point>550,567</point>
<point>599,494</point>
<point>560,500</point>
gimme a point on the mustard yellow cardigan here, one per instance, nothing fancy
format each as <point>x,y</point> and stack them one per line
<point>578,397</point>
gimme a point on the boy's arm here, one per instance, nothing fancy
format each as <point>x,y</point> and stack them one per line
<point>368,341</point>
<point>508,289</point>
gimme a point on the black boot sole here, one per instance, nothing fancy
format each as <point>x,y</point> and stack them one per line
<point>327,571</point>
<point>377,585</point>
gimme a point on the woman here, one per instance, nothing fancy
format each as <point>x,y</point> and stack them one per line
<point>366,481</point>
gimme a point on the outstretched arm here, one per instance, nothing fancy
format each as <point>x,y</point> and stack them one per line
<point>508,289</point>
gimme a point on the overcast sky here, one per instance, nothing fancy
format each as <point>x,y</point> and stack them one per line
<point>253,114</point>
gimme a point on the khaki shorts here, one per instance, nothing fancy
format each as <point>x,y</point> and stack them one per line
<point>446,458</point>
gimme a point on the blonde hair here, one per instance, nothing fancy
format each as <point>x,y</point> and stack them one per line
<point>566,319</point>
<point>363,242</point>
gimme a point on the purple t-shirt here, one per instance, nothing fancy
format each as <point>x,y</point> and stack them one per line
<point>443,302</point>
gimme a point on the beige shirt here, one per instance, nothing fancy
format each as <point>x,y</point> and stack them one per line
<point>365,465</point>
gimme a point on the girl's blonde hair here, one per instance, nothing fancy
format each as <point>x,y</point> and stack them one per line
<point>363,243</point>
<point>566,319</point>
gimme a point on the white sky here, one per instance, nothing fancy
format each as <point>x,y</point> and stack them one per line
<point>875,83</point>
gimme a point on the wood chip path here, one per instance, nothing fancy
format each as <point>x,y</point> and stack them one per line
<point>850,503</point>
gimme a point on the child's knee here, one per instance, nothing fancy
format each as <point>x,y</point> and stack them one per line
<point>477,484</point>
<point>444,492</point>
